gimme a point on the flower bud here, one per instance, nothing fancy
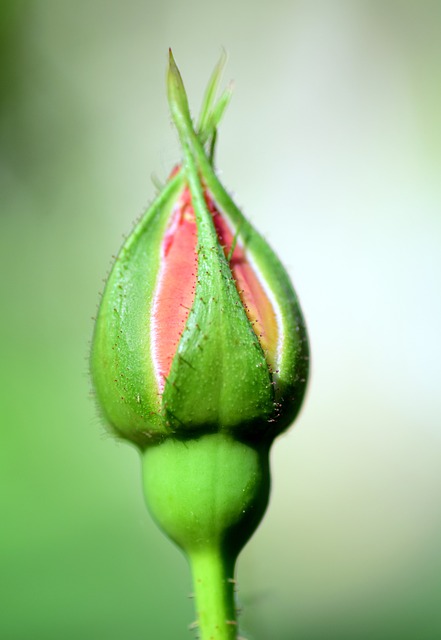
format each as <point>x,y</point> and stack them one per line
<point>200,358</point>
<point>199,329</point>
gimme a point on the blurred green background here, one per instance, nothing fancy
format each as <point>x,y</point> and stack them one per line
<point>332,144</point>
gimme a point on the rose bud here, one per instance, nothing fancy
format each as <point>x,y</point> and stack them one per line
<point>200,358</point>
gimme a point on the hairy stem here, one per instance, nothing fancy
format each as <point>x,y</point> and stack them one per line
<point>208,494</point>
<point>214,594</point>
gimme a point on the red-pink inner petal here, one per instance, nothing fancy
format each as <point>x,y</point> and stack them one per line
<point>176,287</point>
<point>175,292</point>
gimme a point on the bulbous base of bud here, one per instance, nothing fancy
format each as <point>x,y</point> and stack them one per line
<point>208,492</point>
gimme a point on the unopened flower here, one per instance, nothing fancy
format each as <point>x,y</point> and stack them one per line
<point>199,329</point>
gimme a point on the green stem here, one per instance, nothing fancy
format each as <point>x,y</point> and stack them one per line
<point>208,494</point>
<point>214,593</point>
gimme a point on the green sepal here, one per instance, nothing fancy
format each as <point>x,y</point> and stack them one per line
<point>219,380</point>
<point>121,362</point>
<point>209,99</point>
<point>289,371</point>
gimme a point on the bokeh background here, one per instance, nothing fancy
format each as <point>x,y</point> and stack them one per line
<point>332,145</point>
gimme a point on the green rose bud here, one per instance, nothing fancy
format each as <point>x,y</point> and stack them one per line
<point>200,358</point>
